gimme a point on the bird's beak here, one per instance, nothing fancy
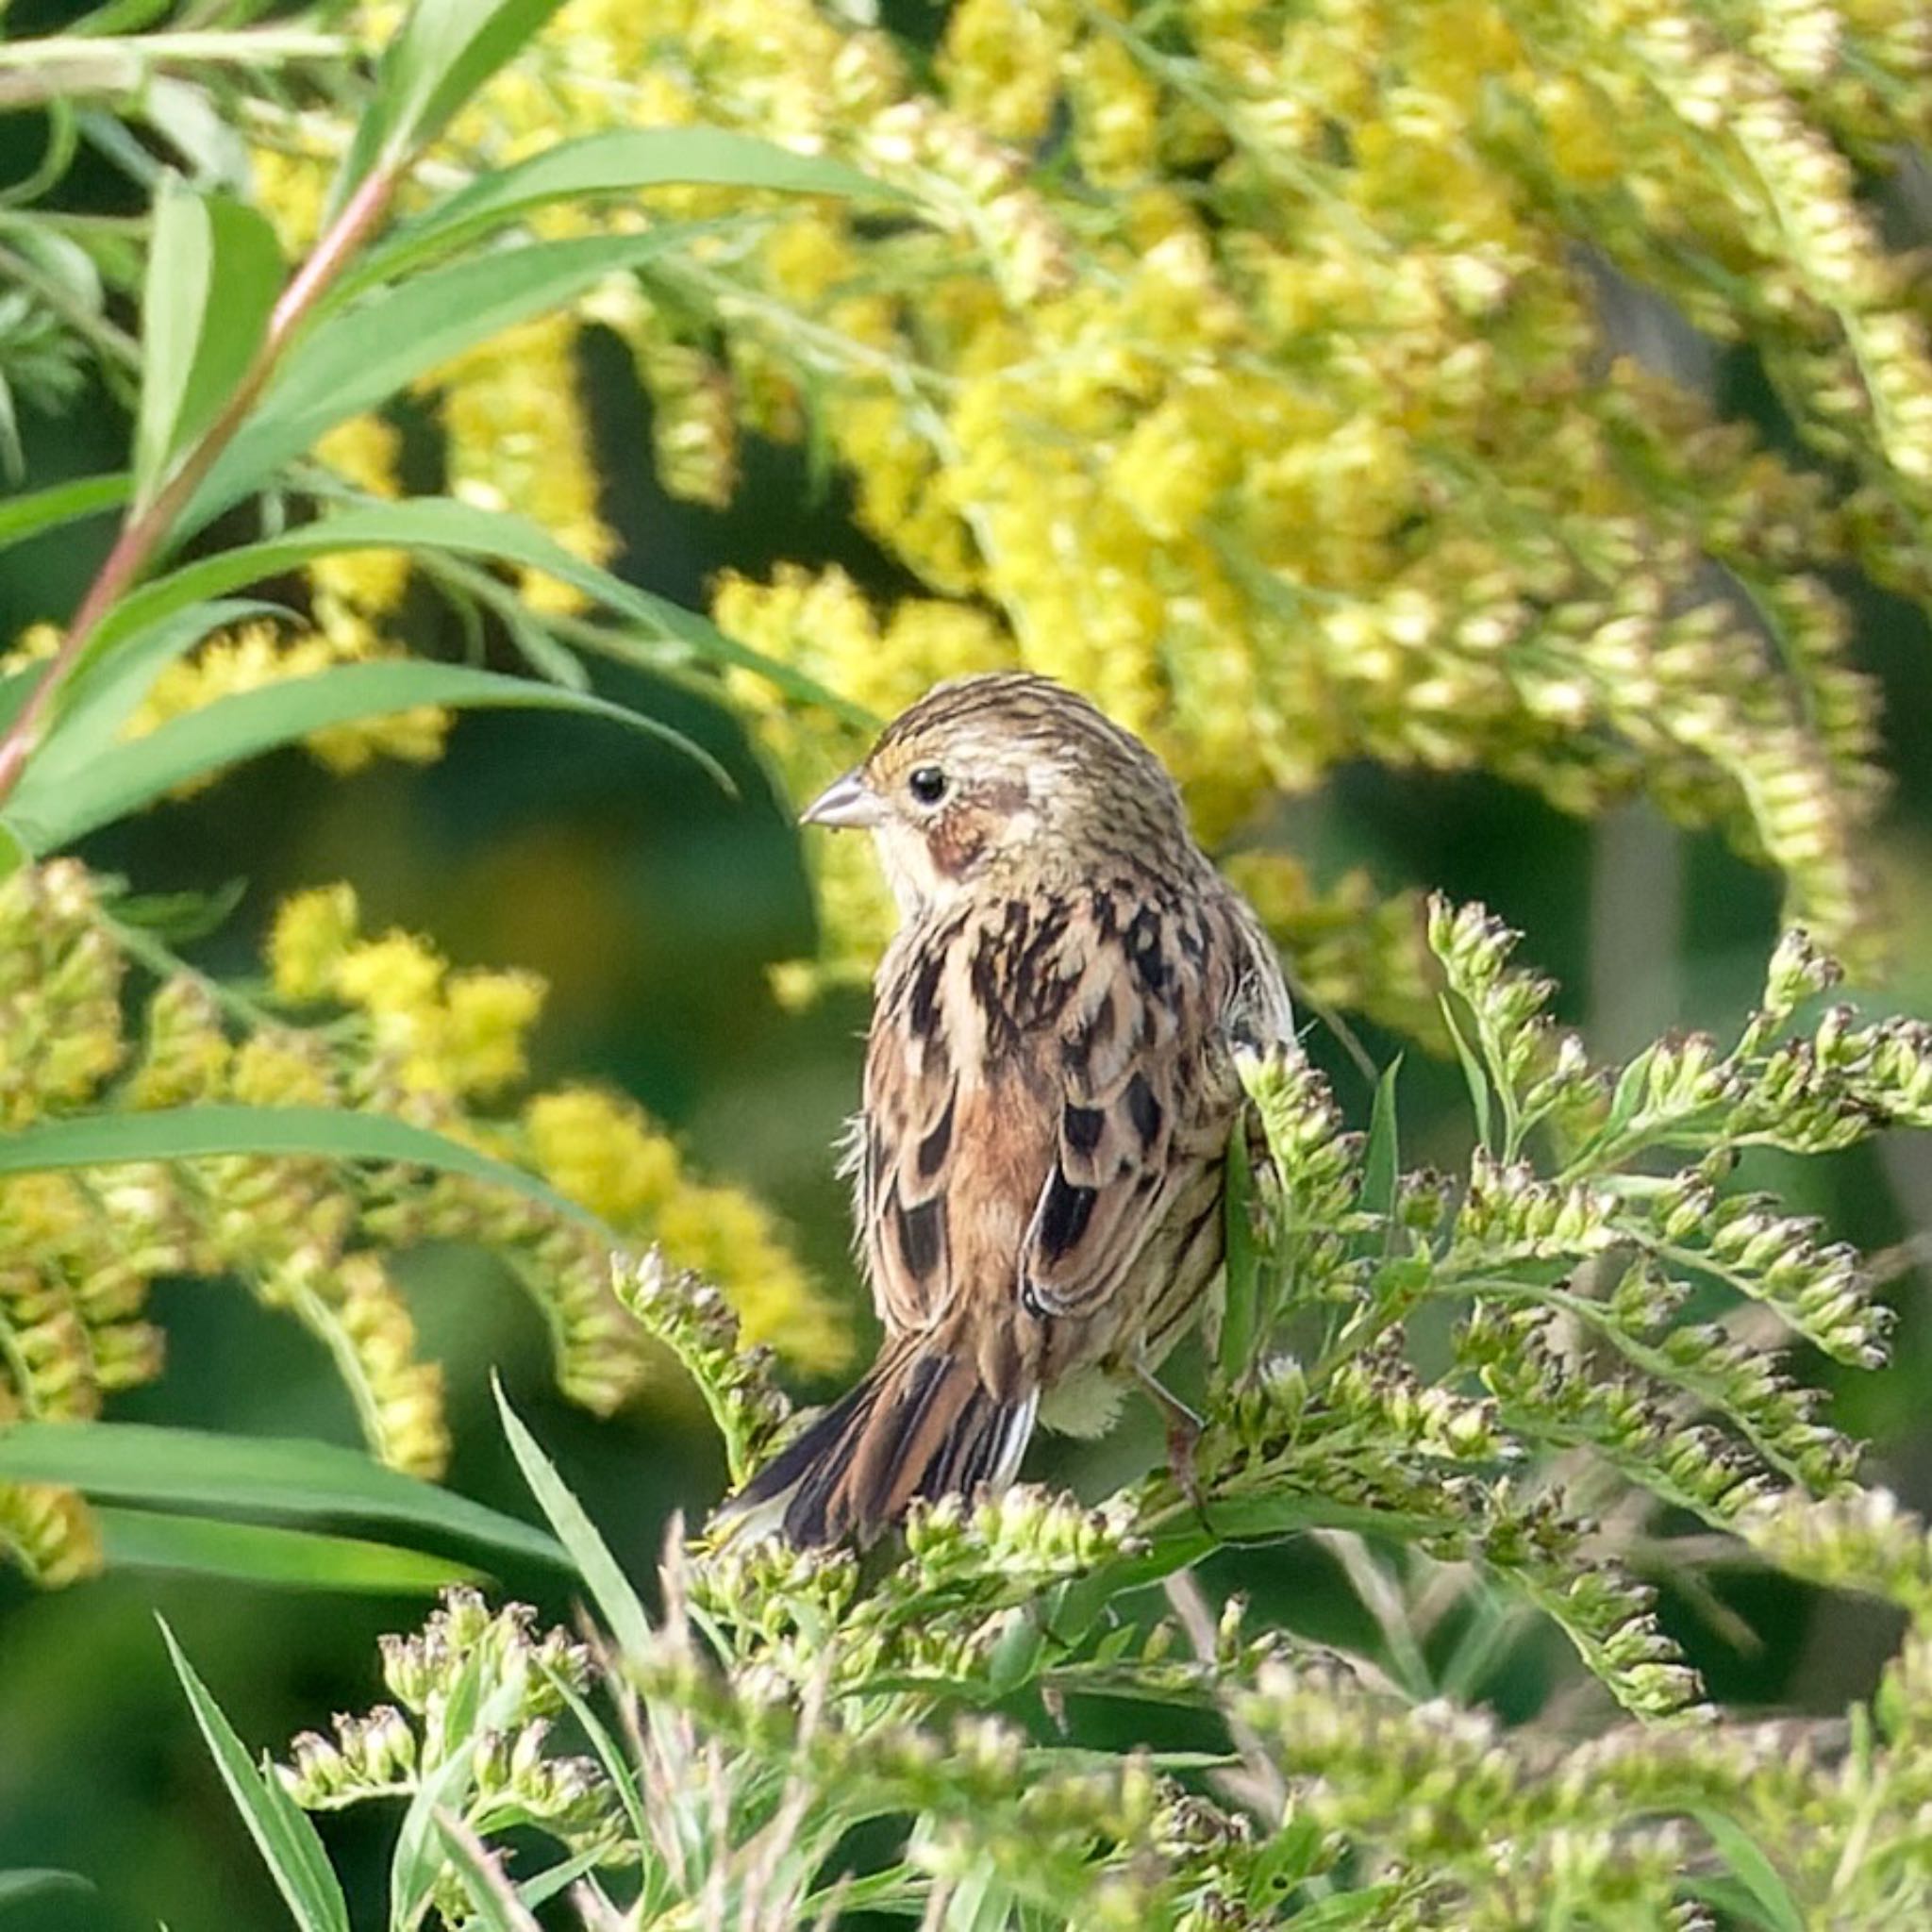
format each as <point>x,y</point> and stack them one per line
<point>848,801</point>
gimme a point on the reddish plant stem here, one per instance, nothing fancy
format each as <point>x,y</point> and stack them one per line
<point>146,528</point>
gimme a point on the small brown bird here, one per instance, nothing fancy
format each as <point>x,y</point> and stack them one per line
<point>1050,1086</point>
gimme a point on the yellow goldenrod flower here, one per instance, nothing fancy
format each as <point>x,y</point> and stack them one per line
<point>599,1151</point>
<point>728,1237</point>
<point>34,644</point>
<point>397,974</point>
<point>488,1016</point>
<point>312,933</point>
<point>604,1153</point>
<point>518,439</point>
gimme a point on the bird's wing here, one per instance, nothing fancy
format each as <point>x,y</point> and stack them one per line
<point>908,1134</point>
<point>1147,1093</point>
<point>1043,1081</point>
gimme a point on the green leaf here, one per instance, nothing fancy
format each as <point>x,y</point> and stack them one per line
<point>433,523</point>
<point>213,274</point>
<point>36,1881</point>
<point>267,1476</point>
<point>266,1553</point>
<point>498,1907</point>
<point>546,1885</point>
<point>191,1133</point>
<point>41,511</point>
<point>608,1584</point>
<point>358,358</point>
<point>442,54</point>
<point>1754,1871</point>
<point>56,809</point>
<point>102,693</point>
<point>619,161</point>
<point>1235,1353</point>
<point>1382,1158</point>
<point>1629,1094</point>
<point>1477,1081</point>
<point>1381,1165</point>
<point>288,1842</point>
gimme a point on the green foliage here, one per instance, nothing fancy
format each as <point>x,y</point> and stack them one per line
<point>1270,371</point>
<point>721,1757</point>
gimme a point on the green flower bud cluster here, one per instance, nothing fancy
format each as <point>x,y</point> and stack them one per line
<point>480,1692</point>
<point>1485,1396</point>
<point>694,1322</point>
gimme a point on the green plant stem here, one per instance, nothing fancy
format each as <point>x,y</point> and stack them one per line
<point>59,67</point>
<point>148,525</point>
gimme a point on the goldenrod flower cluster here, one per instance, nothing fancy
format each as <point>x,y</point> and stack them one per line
<point>1266,371</point>
<point>398,1030</point>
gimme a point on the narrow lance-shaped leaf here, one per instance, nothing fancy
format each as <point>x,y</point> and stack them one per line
<point>441,523</point>
<point>442,54</point>
<point>191,1132</point>
<point>358,358</point>
<point>617,161</point>
<point>605,1581</point>
<point>36,1881</point>
<point>98,700</point>
<point>1236,1346</point>
<point>497,1906</point>
<point>52,810</point>
<point>213,274</point>
<point>265,1476</point>
<point>288,1842</point>
<point>41,511</point>
<point>269,1554</point>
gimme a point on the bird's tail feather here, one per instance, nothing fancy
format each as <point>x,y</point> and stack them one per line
<point>920,1424</point>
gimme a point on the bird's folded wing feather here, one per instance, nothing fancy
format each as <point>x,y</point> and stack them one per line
<point>1040,1085</point>
<point>1145,1097</point>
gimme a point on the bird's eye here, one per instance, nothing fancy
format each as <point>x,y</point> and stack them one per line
<point>927,784</point>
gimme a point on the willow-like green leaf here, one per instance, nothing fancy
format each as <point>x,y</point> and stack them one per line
<point>608,1584</point>
<point>270,1554</point>
<point>40,510</point>
<point>264,1475</point>
<point>191,1132</point>
<point>54,809</point>
<point>616,161</point>
<point>289,1844</point>
<point>358,358</point>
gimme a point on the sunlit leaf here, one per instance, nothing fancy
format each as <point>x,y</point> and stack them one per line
<point>358,358</point>
<point>435,522</point>
<point>214,274</point>
<point>190,1133</point>
<point>616,161</point>
<point>55,808</point>
<point>266,1476</point>
<point>288,1842</point>
<point>443,52</point>
<point>100,696</point>
<point>269,1554</point>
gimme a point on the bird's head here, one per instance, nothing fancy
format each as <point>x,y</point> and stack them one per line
<point>1006,779</point>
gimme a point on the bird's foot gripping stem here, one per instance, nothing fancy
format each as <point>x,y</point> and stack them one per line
<point>1184,1431</point>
